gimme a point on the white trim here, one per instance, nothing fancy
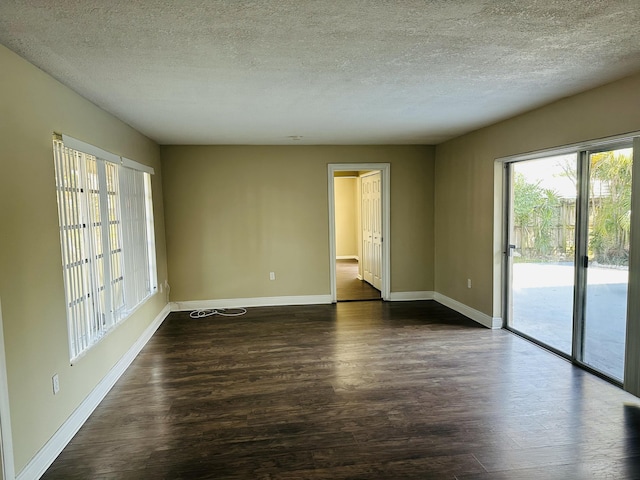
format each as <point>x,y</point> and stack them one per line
<point>410,296</point>
<point>501,195</point>
<point>347,257</point>
<point>6,439</point>
<point>98,152</point>
<point>126,162</point>
<point>385,173</point>
<point>50,451</point>
<point>84,147</point>
<point>632,347</point>
<point>472,313</point>
<point>250,302</point>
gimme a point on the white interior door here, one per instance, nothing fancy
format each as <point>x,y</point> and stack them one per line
<point>372,229</point>
<point>367,230</point>
<point>376,222</point>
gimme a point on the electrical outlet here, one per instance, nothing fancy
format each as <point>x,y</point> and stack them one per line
<point>160,288</point>
<point>56,384</point>
<point>468,283</point>
<point>272,275</point>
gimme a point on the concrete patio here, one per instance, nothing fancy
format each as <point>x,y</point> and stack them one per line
<point>543,309</point>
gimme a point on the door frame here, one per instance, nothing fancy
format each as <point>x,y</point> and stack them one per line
<point>508,254</point>
<point>385,174</point>
<point>502,197</point>
<point>6,445</point>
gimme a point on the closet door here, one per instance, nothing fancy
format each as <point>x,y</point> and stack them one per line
<point>372,229</point>
<point>376,221</point>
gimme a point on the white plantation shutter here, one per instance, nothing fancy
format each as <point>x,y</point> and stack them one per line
<point>107,239</point>
<point>72,210</point>
<point>138,237</point>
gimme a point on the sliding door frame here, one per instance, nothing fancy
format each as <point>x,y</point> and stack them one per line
<point>632,350</point>
<point>508,248</point>
<point>582,255</point>
<point>631,380</point>
<point>581,259</point>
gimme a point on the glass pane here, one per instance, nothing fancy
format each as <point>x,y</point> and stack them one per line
<point>543,232</point>
<point>608,272</point>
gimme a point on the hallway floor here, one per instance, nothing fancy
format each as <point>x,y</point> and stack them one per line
<point>349,288</point>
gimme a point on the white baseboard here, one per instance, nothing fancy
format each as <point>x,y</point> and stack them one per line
<point>410,296</point>
<point>250,302</point>
<point>347,257</point>
<point>475,315</point>
<point>49,452</point>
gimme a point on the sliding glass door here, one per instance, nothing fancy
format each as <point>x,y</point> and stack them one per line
<point>542,260</point>
<point>606,262</point>
<point>568,254</point>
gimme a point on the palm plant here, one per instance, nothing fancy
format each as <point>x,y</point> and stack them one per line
<point>610,202</point>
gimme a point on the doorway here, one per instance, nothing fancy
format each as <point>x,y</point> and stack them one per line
<point>357,227</point>
<point>361,269</point>
<point>568,247</point>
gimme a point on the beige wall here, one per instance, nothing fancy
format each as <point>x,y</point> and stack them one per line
<point>236,213</point>
<point>347,225</point>
<point>33,106</point>
<point>464,199</point>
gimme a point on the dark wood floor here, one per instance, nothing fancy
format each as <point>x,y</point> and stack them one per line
<point>359,390</point>
<point>348,287</point>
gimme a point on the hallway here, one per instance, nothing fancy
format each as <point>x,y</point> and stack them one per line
<point>349,288</point>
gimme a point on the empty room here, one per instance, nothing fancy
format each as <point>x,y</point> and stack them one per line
<point>319,240</point>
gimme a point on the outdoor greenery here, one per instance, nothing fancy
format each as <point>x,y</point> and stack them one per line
<point>610,199</point>
<point>539,219</point>
<point>535,213</point>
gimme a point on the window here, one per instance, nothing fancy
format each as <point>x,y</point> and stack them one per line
<point>107,237</point>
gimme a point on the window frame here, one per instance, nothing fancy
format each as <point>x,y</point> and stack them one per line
<point>108,253</point>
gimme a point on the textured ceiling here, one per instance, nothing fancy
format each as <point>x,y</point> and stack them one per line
<point>333,72</point>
